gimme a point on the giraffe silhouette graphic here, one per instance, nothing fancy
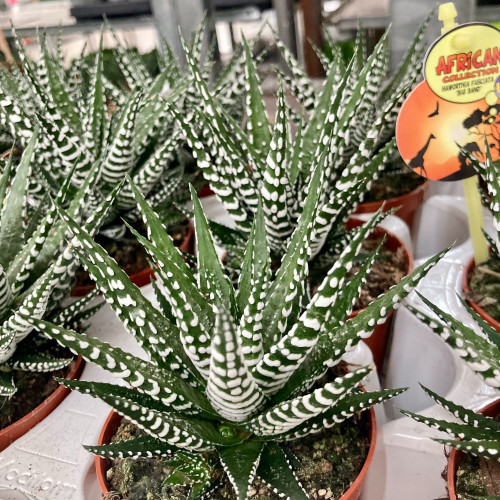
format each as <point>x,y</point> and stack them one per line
<point>418,160</point>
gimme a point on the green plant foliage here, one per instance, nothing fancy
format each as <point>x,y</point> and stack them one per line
<point>87,118</point>
<point>230,371</point>
<point>478,434</point>
<point>35,267</point>
<point>346,129</point>
<point>489,170</point>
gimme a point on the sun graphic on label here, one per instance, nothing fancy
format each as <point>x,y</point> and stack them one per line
<point>430,132</point>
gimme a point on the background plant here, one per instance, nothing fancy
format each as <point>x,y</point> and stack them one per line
<point>378,90</point>
<point>347,128</point>
<point>489,171</point>
<point>86,119</point>
<point>36,267</point>
<point>231,371</point>
<point>478,434</point>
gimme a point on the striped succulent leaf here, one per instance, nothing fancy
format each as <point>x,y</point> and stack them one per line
<point>334,340</point>
<point>478,351</point>
<point>77,312</point>
<point>478,434</point>
<point>5,293</point>
<point>212,281</point>
<point>231,152</point>
<point>153,332</point>
<point>29,277</point>
<point>336,211</point>
<point>253,285</point>
<point>141,447</point>
<point>13,203</point>
<point>345,408</point>
<point>360,92</point>
<point>283,298</point>
<point>95,122</point>
<point>150,172</point>
<point>301,84</point>
<point>149,415</point>
<point>333,48</point>
<point>409,67</point>
<point>328,101</point>
<point>489,170</point>
<point>33,255</point>
<point>275,180</point>
<point>132,68</point>
<point>218,180</point>
<point>240,464</point>
<point>119,157</point>
<point>36,362</point>
<point>231,389</point>
<point>276,471</point>
<point>286,416</point>
<point>258,124</point>
<point>360,56</point>
<point>324,59</point>
<point>285,356</point>
<point>58,92</point>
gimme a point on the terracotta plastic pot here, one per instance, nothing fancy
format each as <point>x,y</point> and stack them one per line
<point>408,202</point>
<point>23,425</point>
<point>144,276</point>
<point>114,419</point>
<point>469,268</point>
<point>205,191</point>
<point>378,340</point>
<point>491,410</point>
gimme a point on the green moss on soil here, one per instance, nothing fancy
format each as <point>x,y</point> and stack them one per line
<point>470,481</point>
<point>330,461</point>
<point>484,284</point>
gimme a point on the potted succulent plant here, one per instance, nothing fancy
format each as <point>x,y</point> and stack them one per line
<point>231,372</point>
<point>241,162</point>
<point>478,433</point>
<point>481,284</point>
<point>134,136</point>
<point>35,271</point>
<point>393,185</point>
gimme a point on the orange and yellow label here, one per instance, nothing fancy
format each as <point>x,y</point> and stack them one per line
<point>464,64</point>
<point>431,133</point>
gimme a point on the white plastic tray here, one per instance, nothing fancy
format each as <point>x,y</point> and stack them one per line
<point>407,463</point>
<point>50,463</point>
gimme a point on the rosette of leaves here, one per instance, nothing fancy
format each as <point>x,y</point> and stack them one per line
<point>227,371</point>
<point>134,136</point>
<point>479,435</point>
<point>369,90</point>
<point>36,267</point>
<point>240,162</point>
<point>126,69</point>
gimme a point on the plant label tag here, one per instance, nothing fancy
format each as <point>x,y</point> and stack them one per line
<point>464,64</point>
<point>430,132</point>
<point>456,107</point>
